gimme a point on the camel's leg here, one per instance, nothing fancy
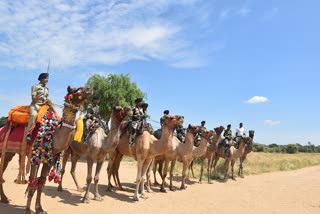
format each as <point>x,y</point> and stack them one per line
<point>184,170</point>
<point>232,166</point>
<point>138,179</point>
<point>110,167</point>
<point>164,175</point>
<point>226,168</point>
<point>154,171</point>
<point>240,173</point>
<point>145,167</point>
<point>97,196</point>
<point>148,183</point>
<point>190,168</point>
<point>209,171</point>
<point>116,170</point>
<point>201,169</point>
<point>8,157</point>
<point>41,181</point>
<point>66,155</point>
<point>173,163</point>
<point>31,189</point>
<point>214,164</point>
<point>74,160</point>
<point>86,198</point>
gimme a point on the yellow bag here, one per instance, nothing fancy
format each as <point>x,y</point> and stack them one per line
<point>79,130</point>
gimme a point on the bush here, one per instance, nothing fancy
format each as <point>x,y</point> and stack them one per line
<point>292,149</point>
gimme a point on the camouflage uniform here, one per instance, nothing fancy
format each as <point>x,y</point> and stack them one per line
<point>228,136</point>
<point>181,133</point>
<point>41,92</point>
<point>93,114</point>
<point>136,122</point>
<point>198,135</point>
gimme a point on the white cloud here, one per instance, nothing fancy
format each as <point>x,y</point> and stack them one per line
<point>271,122</point>
<point>92,32</point>
<point>257,99</point>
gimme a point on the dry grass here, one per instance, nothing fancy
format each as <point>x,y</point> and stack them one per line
<point>257,163</point>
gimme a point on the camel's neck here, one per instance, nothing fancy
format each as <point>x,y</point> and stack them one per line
<point>69,115</point>
<point>189,142</point>
<point>164,142</point>
<point>201,149</point>
<point>214,145</point>
<point>114,135</point>
<point>239,152</point>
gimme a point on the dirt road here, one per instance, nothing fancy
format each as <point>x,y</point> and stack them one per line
<point>279,192</point>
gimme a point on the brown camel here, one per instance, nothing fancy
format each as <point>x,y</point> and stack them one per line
<point>146,147</point>
<point>96,149</point>
<point>247,149</point>
<point>233,154</point>
<point>61,140</point>
<point>195,153</point>
<point>211,149</point>
<point>176,150</point>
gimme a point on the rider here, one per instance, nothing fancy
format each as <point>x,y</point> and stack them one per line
<point>239,134</point>
<point>198,136</point>
<point>92,116</point>
<point>165,112</point>
<point>136,119</point>
<point>39,95</point>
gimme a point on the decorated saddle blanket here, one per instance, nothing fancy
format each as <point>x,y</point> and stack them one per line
<point>15,137</point>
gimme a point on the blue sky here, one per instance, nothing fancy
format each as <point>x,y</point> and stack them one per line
<point>249,61</point>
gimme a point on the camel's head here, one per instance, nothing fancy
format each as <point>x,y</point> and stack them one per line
<point>251,134</point>
<point>193,129</point>
<point>208,134</point>
<point>173,121</point>
<point>119,113</point>
<point>77,96</point>
<point>219,130</point>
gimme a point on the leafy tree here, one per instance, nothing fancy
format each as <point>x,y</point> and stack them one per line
<point>112,90</point>
<point>3,121</point>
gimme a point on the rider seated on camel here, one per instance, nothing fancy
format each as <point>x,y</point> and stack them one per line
<point>92,117</point>
<point>136,120</point>
<point>39,95</point>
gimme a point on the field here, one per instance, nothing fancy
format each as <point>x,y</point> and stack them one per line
<point>293,191</point>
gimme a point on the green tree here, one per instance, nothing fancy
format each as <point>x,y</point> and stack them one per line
<point>3,121</point>
<point>112,90</point>
<point>292,148</point>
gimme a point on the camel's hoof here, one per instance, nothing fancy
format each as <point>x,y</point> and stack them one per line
<point>86,201</point>
<point>163,190</point>
<point>135,198</point>
<point>210,182</point>
<point>149,190</point>
<point>144,196</point>
<point>5,200</point>
<point>241,176</point>
<point>234,179</point>
<point>60,189</point>
<point>122,189</point>
<point>200,182</point>
<point>98,198</point>
<point>172,189</point>
<point>17,181</point>
<point>28,211</point>
<point>156,184</point>
<point>79,189</point>
<point>41,212</point>
<point>183,187</point>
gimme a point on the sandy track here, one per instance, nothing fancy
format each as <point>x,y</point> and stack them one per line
<point>279,192</point>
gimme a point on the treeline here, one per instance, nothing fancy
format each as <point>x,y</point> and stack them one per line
<point>290,148</point>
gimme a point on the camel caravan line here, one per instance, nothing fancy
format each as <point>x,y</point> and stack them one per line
<point>55,139</point>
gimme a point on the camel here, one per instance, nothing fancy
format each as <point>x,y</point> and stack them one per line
<point>178,149</point>
<point>145,148</point>
<point>96,149</point>
<point>233,154</point>
<point>61,139</point>
<point>211,149</point>
<point>196,152</point>
<point>247,150</point>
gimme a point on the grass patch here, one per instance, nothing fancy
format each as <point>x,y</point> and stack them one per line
<point>257,163</point>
